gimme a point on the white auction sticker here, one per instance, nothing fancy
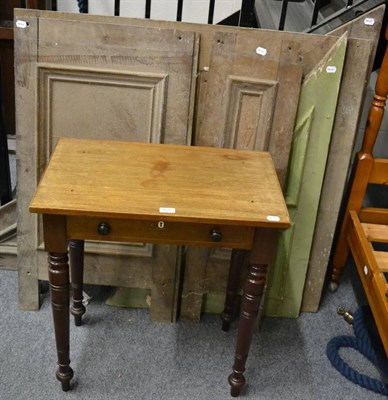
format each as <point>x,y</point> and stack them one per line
<point>167,210</point>
<point>369,21</point>
<point>21,24</point>
<point>273,218</point>
<point>261,50</point>
<point>331,69</point>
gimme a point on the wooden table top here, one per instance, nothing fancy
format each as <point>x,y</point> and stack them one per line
<point>159,181</point>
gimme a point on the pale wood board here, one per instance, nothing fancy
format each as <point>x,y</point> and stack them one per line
<point>358,65</point>
<point>25,78</point>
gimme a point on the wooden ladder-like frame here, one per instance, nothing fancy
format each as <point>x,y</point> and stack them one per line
<point>362,227</point>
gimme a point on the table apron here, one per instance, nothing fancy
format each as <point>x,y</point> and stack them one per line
<point>160,232</point>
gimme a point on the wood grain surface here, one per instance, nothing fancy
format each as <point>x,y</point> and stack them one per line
<point>137,180</point>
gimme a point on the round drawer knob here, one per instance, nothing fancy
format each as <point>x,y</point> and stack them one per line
<point>103,228</point>
<point>215,236</point>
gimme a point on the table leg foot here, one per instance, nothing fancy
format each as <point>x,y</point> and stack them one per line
<point>64,375</point>
<point>77,320</point>
<point>236,381</point>
<point>225,325</point>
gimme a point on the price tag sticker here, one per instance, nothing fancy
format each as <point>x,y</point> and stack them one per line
<point>21,24</point>
<point>369,21</point>
<point>273,218</point>
<point>261,50</point>
<point>331,69</point>
<point>167,210</point>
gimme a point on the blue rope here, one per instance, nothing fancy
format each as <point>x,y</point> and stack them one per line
<point>362,343</point>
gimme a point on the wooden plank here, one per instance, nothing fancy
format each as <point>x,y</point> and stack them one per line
<point>376,233</point>
<point>379,174</point>
<point>25,75</point>
<point>382,260</point>
<point>358,65</point>
<point>374,215</point>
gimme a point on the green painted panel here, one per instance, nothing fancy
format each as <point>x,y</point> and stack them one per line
<point>130,297</point>
<point>312,133</point>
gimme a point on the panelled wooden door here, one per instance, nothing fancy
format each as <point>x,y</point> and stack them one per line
<point>310,145</point>
<point>248,98</point>
<point>100,80</point>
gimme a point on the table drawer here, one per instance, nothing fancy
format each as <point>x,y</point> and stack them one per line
<point>167,232</point>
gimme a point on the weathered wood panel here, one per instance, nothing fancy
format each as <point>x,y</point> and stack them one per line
<point>100,80</point>
<point>359,60</point>
<point>297,56</point>
<point>266,79</point>
<point>313,128</point>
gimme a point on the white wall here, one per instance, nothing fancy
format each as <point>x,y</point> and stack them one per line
<point>193,10</point>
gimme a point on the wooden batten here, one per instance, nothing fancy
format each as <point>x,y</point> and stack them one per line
<point>374,215</point>
<point>379,172</point>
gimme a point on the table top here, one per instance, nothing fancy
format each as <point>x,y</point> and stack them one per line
<point>153,181</point>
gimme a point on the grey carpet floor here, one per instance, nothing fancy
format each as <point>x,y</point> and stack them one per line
<point>119,354</point>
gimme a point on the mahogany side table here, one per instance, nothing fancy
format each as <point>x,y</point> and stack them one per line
<point>156,193</point>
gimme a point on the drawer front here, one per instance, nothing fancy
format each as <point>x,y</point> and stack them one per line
<point>167,232</point>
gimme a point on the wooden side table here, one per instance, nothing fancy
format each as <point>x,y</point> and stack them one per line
<point>136,192</point>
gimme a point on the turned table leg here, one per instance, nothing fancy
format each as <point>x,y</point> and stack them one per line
<point>76,252</point>
<point>230,308</point>
<point>59,290</point>
<point>253,292</point>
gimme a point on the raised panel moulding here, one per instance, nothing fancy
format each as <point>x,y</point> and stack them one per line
<point>298,157</point>
<point>138,101</point>
<point>249,113</point>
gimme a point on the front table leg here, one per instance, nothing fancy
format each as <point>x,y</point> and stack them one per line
<point>60,298</point>
<point>253,292</point>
